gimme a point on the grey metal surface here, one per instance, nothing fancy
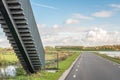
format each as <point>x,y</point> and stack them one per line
<point>94,67</point>
<point>21,16</point>
<point>14,32</point>
<point>33,28</point>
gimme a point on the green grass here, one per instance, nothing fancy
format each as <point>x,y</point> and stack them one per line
<point>50,56</point>
<point>9,58</point>
<point>63,65</point>
<point>117,60</point>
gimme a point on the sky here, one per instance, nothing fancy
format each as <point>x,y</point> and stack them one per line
<point>75,22</point>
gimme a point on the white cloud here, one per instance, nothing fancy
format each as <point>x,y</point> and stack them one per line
<point>62,38</point>
<point>98,36</point>
<point>80,16</point>
<point>115,5</point>
<point>72,21</point>
<point>78,36</point>
<point>4,43</point>
<point>103,14</point>
<point>56,26</point>
<point>45,6</point>
<point>41,25</point>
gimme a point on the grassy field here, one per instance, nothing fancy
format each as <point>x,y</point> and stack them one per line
<point>51,58</point>
<point>63,65</point>
<point>108,57</point>
<point>7,57</point>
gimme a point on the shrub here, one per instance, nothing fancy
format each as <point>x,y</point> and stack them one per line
<point>20,71</point>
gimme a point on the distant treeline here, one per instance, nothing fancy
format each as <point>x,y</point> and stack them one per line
<point>93,48</point>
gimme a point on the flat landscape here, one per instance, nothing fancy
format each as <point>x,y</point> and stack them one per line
<point>65,58</point>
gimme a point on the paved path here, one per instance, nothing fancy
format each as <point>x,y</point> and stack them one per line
<point>93,67</point>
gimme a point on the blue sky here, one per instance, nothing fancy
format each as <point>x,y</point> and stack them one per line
<point>52,12</point>
<point>76,22</point>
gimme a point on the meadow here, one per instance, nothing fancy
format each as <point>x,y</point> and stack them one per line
<point>114,59</point>
<point>52,56</point>
<point>7,56</point>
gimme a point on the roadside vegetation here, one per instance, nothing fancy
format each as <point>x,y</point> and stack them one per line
<point>7,56</point>
<point>115,59</point>
<point>52,56</point>
<point>92,48</point>
<point>63,65</point>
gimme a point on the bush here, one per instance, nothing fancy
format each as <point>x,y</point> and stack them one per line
<point>20,71</point>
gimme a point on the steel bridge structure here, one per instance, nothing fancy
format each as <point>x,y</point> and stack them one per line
<point>18,23</point>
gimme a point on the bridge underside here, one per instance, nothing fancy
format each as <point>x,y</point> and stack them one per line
<point>18,23</point>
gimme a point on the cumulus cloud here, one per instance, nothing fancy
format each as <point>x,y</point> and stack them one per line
<point>62,38</point>
<point>115,5</point>
<point>72,21</point>
<point>103,14</point>
<point>78,36</point>
<point>75,36</point>
<point>56,26</point>
<point>80,16</point>
<point>98,36</point>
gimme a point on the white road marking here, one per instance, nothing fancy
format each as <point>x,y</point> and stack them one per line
<point>76,69</point>
<point>74,76</point>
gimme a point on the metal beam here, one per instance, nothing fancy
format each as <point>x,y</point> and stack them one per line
<point>12,27</point>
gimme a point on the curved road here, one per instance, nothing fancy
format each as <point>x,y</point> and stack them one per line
<point>93,67</point>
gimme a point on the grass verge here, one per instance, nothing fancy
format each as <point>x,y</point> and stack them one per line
<point>63,65</point>
<point>8,58</point>
<point>117,60</point>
